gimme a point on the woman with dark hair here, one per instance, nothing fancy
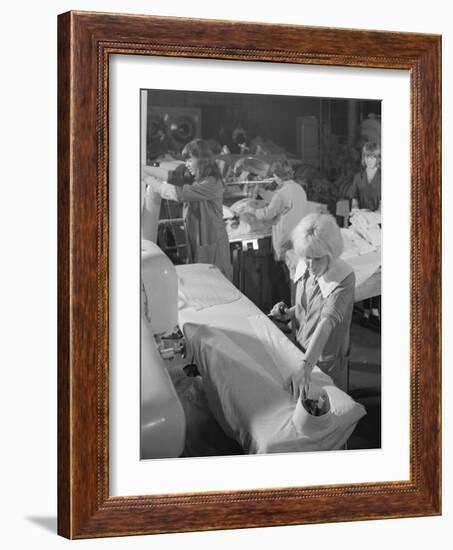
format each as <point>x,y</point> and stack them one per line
<point>202,211</point>
<point>365,191</point>
<point>366,194</point>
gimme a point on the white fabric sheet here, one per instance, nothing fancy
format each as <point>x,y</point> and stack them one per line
<point>203,285</point>
<point>245,363</point>
<point>248,225</point>
<point>365,266</point>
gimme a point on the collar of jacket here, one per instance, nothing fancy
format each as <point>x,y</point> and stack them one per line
<point>328,282</point>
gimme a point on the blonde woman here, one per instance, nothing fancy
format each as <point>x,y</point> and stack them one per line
<point>324,301</point>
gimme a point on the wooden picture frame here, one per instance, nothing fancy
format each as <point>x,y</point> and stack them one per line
<point>85,41</point>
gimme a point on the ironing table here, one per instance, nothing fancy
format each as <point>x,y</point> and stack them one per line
<point>245,362</point>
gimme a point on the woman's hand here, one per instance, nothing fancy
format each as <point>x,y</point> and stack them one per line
<point>299,382</point>
<point>280,312</point>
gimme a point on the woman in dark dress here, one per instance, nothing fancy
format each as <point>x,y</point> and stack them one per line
<point>202,210</point>
<point>365,193</point>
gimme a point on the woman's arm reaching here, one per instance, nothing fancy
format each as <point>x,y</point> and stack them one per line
<point>300,380</point>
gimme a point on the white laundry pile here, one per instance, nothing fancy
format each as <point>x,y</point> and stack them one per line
<point>362,244</point>
<point>203,285</point>
<point>367,225</point>
<point>239,206</point>
<point>227,213</point>
<point>248,224</point>
<point>354,244</point>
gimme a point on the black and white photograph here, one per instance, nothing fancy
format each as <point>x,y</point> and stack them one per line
<point>226,294</point>
<point>260,274</point>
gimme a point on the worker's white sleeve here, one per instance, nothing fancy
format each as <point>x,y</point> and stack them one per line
<point>274,209</point>
<point>168,191</point>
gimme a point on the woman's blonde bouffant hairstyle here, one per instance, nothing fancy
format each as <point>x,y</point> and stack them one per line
<point>318,235</point>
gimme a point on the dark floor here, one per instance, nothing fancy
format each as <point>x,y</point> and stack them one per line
<point>206,438</point>
<point>365,383</point>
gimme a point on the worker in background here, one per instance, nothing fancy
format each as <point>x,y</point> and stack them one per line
<point>365,193</point>
<point>239,144</point>
<point>202,211</point>
<point>324,301</point>
<point>287,205</point>
<point>161,143</point>
<point>365,190</point>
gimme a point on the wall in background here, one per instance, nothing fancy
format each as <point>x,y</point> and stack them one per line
<point>270,117</point>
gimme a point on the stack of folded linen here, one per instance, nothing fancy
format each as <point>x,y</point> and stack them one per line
<point>367,225</point>
<point>355,244</point>
<point>247,224</point>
